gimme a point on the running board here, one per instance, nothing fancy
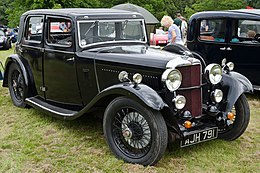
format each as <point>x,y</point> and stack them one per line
<point>42,105</point>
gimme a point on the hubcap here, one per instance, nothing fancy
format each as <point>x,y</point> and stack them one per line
<point>136,130</point>
<point>131,133</point>
<point>17,85</point>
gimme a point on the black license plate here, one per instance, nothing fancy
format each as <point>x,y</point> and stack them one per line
<point>200,136</point>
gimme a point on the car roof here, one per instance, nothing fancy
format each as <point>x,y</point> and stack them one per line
<point>79,12</point>
<point>241,13</point>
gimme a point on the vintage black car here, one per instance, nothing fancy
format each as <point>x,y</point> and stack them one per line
<point>5,41</point>
<point>70,61</point>
<point>234,35</point>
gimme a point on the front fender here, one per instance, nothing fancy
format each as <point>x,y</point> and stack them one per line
<point>14,58</point>
<point>234,84</point>
<point>141,93</point>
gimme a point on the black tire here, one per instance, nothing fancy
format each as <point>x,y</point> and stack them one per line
<point>242,113</point>
<point>135,133</point>
<point>17,87</point>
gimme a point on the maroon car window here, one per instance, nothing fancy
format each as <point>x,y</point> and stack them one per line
<point>212,30</point>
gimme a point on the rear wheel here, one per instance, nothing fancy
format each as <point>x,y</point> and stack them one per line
<point>135,133</point>
<point>16,85</point>
<point>240,122</point>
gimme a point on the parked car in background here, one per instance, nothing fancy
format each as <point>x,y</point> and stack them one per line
<point>150,97</point>
<point>5,41</point>
<point>233,34</point>
<point>160,38</point>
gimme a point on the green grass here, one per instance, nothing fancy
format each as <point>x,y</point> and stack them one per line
<point>31,141</point>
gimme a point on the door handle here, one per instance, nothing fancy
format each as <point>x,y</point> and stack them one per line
<point>229,48</point>
<point>70,59</point>
<point>222,48</point>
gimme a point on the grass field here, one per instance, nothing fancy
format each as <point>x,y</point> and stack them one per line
<point>31,141</point>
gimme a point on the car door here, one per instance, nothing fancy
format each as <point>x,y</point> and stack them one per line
<point>243,49</point>
<point>210,39</point>
<point>60,79</point>
<point>31,48</point>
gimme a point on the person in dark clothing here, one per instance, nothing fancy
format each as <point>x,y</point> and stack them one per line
<point>177,21</point>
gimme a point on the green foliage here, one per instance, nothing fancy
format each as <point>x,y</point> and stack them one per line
<point>11,10</point>
<point>253,3</point>
<point>209,5</point>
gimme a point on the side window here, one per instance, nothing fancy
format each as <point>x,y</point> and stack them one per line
<point>59,31</point>
<point>213,30</point>
<point>34,29</point>
<point>245,31</point>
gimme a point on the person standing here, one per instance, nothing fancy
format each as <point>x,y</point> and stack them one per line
<point>178,20</point>
<point>184,28</point>
<point>174,33</point>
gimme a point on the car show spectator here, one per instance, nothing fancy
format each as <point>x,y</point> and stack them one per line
<point>174,33</point>
<point>177,21</point>
<point>184,28</point>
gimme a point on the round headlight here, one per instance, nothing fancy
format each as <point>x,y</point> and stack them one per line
<point>231,66</point>
<point>217,95</point>
<point>179,102</point>
<point>214,72</point>
<point>172,79</point>
<point>137,78</point>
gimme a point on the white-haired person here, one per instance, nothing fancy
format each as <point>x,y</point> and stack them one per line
<point>174,33</point>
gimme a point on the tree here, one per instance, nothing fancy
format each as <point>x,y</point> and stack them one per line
<point>209,5</point>
<point>253,3</point>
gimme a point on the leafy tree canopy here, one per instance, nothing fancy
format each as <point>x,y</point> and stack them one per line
<point>11,10</point>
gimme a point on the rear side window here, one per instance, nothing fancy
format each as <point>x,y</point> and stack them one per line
<point>212,30</point>
<point>59,32</point>
<point>245,31</point>
<point>34,29</point>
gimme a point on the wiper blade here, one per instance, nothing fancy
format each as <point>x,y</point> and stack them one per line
<point>92,26</point>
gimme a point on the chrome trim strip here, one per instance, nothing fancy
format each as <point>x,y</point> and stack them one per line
<point>49,110</point>
<point>193,87</point>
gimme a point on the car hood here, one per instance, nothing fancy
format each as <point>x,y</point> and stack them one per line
<point>142,56</point>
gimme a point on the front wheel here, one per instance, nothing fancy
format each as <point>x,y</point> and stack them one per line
<point>240,122</point>
<point>135,133</point>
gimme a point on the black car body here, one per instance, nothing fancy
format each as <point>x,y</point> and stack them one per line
<point>5,41</point>
<point>69,61</point>
<point>234,35</point>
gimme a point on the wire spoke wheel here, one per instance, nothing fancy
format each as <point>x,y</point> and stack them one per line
<point>17,87</point>
<point>132,133</point>
<point>135,133</point>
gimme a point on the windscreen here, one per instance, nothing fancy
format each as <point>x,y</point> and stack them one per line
<point>111,31</point>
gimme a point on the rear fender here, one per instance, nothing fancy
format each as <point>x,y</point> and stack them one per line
<point>234,84</point>
<point>25,69</point>
<point>14,59</point>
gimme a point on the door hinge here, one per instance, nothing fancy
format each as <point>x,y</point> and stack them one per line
<point>43,89</point>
